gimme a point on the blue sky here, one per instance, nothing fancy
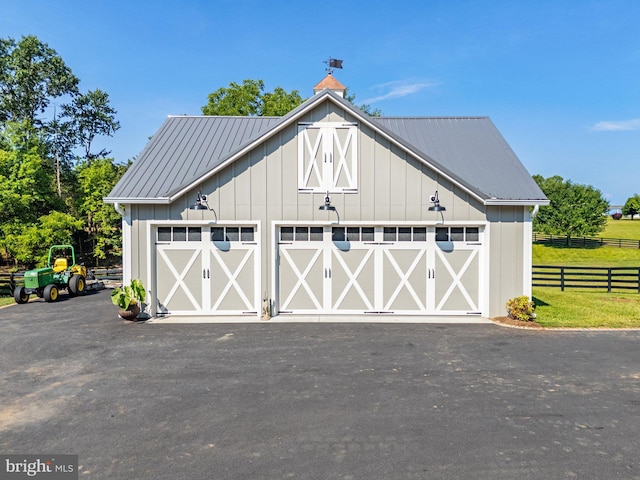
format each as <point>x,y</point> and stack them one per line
<point>559,79</point>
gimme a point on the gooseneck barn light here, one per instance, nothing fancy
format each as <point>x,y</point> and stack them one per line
<point>436,207</point>
<point>202,204</point>
<point>327,207</point>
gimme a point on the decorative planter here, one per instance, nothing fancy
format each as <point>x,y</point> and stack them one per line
<point>130,313</point>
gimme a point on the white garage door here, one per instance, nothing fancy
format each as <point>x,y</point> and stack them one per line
<point>386,269</point>
<point>207,270</point>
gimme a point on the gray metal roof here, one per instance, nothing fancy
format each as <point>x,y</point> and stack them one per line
<point>183,150</point>
<point>470,151</point>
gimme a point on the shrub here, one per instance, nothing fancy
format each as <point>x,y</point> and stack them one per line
<point>616,216</point>
<point>521,308</point>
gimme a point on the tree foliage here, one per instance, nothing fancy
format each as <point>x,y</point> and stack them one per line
<point>102,222</point>
<point>29,244</point>
<point>632,206</point>
<point>27,188</point>
<point>575,210</point>
<point>250,99</point>
<point>90,115</point>
<point>48,193</point>
<point>31,75</point>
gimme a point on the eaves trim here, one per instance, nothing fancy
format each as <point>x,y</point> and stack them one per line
<point>507,202</point>
<point>138,200</point>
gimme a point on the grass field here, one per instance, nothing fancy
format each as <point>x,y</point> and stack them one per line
<point>586,309</point>
<point>622,229</point>
<point>590,309</point>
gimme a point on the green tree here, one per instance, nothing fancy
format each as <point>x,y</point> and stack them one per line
<point>101,222</point>
<point>632,206</point>
<point>279,102</point>
<point>90,115</point>
<point>242,100</point>
<point>31,75</point>
<point>27,189</point>
<point>29,244</point>
<point>575,210</point>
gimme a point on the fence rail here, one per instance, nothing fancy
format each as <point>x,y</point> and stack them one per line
<point>603,278</point>
<point>589,242</point>
<point>8,281</point>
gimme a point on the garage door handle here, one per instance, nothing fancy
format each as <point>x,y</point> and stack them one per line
<point>205,273</point>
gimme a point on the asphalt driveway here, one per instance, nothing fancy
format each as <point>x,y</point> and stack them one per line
<point>315,401</point>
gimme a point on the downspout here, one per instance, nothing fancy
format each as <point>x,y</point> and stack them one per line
<point>533,213</point>
<point>118,208</point>
<point>126,242</point>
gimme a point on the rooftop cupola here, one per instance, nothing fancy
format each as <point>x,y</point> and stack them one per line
<point>329,82</point>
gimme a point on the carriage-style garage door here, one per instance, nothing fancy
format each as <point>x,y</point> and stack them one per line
<point>387,269</point>
<point>213,270</point>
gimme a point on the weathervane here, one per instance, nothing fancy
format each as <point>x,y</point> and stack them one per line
<point>332,63</point>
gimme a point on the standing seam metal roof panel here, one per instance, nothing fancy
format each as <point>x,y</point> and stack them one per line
<point>471,147</point>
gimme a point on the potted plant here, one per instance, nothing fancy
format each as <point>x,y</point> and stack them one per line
<point>128,299</point>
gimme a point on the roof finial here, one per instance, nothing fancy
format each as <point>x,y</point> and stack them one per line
<point>332,63</point>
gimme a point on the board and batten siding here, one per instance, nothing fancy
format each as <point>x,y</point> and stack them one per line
<point>507,244</point>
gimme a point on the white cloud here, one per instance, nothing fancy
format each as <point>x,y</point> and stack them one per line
<point>615,126</point>
<point>397,89</point>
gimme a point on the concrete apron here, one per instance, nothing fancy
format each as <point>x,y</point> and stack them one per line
<point>322,319</point>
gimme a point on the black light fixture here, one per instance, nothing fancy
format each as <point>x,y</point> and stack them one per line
<point>436,207</point>
<point>436,204</point>
<point>327,207</point>
<point>202,204</point>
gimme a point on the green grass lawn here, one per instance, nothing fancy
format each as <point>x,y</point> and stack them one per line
<point>6,301</point>
<point>590,308</point>
<point>622,229</point>
<point>586,309</point>
<point>588,257</point>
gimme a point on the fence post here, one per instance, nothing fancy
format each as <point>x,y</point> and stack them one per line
<point>562,279</point>
<point>12,283</point>
<point>608,280</point>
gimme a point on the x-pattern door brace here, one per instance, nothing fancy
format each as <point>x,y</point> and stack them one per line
<point>232,279</point>
<point>353,280</point>
<point>457,279</point>
<point>179,276</point>
<point>404,279</point>
<point>301,278</point>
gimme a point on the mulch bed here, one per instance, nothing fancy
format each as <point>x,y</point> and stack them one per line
<point>516,323</point>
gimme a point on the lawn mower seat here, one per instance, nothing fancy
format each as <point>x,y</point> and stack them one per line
<point>60,265</point>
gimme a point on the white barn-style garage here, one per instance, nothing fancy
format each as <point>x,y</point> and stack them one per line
<point>328,212</point>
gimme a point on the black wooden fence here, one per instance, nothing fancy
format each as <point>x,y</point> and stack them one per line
<point>584,242</point>
<point>602,278</point>
<point>8,281</point>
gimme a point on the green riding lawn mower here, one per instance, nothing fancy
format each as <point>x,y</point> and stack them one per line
<point>61,273</point>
